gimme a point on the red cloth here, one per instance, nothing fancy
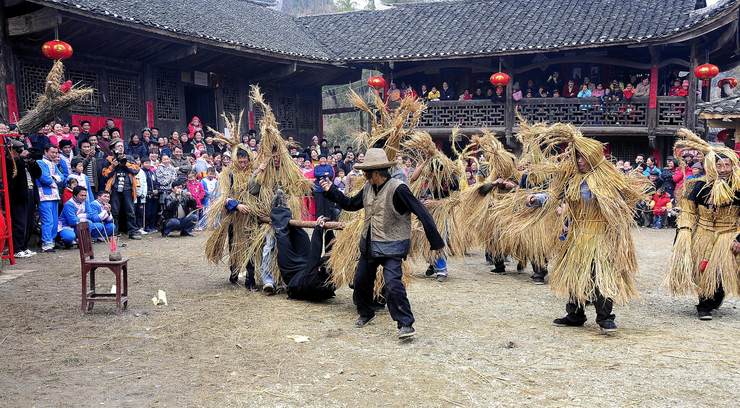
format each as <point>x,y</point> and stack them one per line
<point>628,93</point>
<point>660,203</point>
<point>66,195</point>
<point>570,93</point>
<point>97,122</point>
<point>309,209</point>
<point>197,191</point>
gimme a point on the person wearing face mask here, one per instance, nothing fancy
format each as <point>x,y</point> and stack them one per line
<point>386,238</point>
<point>706,252</point>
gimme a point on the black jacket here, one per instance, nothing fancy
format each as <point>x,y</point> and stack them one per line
<point>17,183</point>
<point>171,204</point>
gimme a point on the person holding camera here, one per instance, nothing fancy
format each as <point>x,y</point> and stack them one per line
<point>121,184</point>
<point>22,170</point>
<point>180,210</point>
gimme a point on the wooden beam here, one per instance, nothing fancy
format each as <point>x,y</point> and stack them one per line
<point>276,73</point>
<point>578,59</point>
<point>174,55</point>
<point>335,111</point>
<point>39,20</point>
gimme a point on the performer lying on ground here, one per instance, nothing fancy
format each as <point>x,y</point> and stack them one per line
<point>302,262</point>
<point>386,237</point>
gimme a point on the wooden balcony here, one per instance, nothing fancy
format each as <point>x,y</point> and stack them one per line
<point>589,114</point>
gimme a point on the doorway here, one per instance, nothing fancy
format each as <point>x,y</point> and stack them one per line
<point>201,102</point>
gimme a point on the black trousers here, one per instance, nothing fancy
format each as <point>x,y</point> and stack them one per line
<point>152,213</point>
<point>21,214</point>
<point>711,303</point>
<point>140,211</point>
<point>233,264</point>
<point>603,306</point>
<point>539,271</point>
<point>394,292</point>
<point>324,206</point>
<point>123,201</point>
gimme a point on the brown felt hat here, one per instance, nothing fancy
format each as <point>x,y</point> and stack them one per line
<point>375,159</point>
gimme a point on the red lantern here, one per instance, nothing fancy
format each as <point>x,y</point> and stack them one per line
<point>500,79</point>
<point>732,82</point>
<point>706,72</point>
<point>377,82</point>
<point>56,50</point>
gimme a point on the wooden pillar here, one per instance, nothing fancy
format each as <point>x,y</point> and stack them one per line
<point>652,112</point>
<point>691,97</point>
<point>150,99</point>
<point>8,97</point>
<point>509,107</point>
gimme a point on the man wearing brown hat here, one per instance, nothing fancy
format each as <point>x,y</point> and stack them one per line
<point>386,237</point>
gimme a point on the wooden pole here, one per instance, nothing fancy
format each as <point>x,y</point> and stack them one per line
<point>691,97</point>
<point>333,225</point>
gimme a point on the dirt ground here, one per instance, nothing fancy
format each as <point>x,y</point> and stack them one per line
<point>483,340</point>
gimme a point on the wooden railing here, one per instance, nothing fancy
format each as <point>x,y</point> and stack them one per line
<point>588,112</point>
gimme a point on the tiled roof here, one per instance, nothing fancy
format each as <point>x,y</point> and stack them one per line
<point>413,31</point>
<point>729,106</point>
<point>491,27</point>
<point>235,22</point>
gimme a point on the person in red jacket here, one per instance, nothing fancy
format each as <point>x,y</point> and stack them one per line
<point>661,200</point>
<point>570,90</point>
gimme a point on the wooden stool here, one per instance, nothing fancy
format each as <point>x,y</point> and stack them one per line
<point>88,265</point>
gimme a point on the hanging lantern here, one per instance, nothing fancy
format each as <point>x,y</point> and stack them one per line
<point>377,82</point>
<point>500,79</point>
<point>706,72</point>
<point>732,82</point>
<point>56,50</point>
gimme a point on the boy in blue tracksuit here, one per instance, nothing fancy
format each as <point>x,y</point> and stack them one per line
<point>76,210</point>
<point>48,186</point>
<point>100,212</point>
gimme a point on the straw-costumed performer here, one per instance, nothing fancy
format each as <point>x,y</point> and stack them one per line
<point>477,202</point>
<point>526,234</point>
<point>436,181</point>
<point>706,253</point>
<point>386,237</point>
<point>230,217</point>
<point>595,261</point>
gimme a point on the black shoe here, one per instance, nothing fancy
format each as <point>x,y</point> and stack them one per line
<point>185,234</point>
<point>430,271</point>
<point>568,322</point>
<point>538,280</point>
<point>49,250</point>
<point>520,266</point>
<point>363,321</point>
<point>705,314</point>
<point>234,279</point>
<point>135,237</point>
<point>500,269</point>
<point>269,289</point>
<point>406,332</point>
<point>608,326</point>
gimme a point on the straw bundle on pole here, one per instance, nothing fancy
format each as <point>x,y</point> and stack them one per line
<point>53,101</point>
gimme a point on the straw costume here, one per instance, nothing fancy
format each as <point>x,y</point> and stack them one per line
<point>436,181</point>
<point>526,234</point>
<point>595,261</point>
<point>477,202</point>
<point>706,257</point>
<point>228,223</point>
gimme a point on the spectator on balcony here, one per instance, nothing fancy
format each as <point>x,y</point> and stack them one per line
<point>489,93</point>
<point>675,89</point>
<point>434,94</point>
<point>588,83</point>
<point>447,94</point>
<point>585,93</point>
<point>466,96</point>
<point>598,92</point>
<point>531,87</point>
<point>570,90</point>
<point>499,96</point>
<point>554,82</point>
<point>643,88</point>
<point>478,95</point>
<point>556,94</point>
<point>409,92</point>
<point>424,92</point>
<point>542,92</point>
<point>628,92</point>
<point>393,97</point>
<point>684,91</point>
<point>516,92</point>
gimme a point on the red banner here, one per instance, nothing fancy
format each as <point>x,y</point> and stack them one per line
<point>98,122</point>
<point>150,114</point>
<point>13,115</point>
<point>251,119</point>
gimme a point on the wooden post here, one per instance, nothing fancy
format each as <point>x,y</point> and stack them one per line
<point>509,107</point>
<point>335,225</point>
<point>6,70</point>
<point>150,97</point>
<point>652,112</point>
<point>691,97</point>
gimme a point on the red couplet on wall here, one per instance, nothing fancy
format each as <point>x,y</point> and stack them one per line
<point>150,114</point>
<point>653,100</point>
<point>12,103</point>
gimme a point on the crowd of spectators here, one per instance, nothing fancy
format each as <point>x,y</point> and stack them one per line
<point>554,86</point>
